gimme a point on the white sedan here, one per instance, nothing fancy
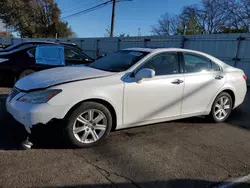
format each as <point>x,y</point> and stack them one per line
<point>128,88</point>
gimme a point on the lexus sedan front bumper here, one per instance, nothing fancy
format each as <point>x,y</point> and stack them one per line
<point>32,114</point>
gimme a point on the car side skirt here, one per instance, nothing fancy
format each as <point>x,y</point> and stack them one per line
<point>161,120</point>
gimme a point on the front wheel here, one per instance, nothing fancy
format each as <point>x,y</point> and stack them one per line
<point>89,124</point>
<point>222,107</point>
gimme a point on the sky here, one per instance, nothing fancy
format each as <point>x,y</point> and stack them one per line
<point>130,15</point>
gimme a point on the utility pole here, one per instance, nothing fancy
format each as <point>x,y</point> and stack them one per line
<point>113,19</point>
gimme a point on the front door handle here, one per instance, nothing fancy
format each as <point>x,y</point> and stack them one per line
<point>219,77</point>
<point>177,81</point>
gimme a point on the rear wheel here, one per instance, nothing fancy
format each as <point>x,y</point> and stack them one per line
<point>89,124</point>
<point>222,107</point>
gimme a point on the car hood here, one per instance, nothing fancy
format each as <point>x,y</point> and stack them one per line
<point>56,76</point>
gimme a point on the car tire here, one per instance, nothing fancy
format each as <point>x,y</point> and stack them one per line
<point>25,73</point>
<point>221,108</point>
<point>84,129</point>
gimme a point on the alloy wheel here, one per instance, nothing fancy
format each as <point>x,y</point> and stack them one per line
<point>90,126</point>
<point>222,108</point>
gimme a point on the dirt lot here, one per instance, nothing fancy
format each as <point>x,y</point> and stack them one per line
<point>184,153</point>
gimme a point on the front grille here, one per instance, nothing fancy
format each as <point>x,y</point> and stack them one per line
<point>14,92</point>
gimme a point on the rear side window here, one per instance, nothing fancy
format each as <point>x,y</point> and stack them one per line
<point>195,63</point>
<point>215,67</point>
<point>163,64</point>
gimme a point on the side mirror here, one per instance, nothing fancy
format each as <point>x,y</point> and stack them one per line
<point>101,56</point>
<point>144,73</point>
<point>87,60</point>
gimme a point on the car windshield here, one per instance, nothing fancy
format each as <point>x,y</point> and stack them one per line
<point>118,61</point>
<point>12,47</point>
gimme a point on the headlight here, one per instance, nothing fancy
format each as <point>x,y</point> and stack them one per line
<point>39,96</point>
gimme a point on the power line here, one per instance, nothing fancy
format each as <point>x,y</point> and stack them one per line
<point>100,6</point>
<point>73,4</point>
<point>89,9</point>
<point>93,8</point>
<point>77,5</point>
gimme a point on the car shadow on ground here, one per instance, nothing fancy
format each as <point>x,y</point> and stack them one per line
<point>167,183</point>
<point>13,133</point>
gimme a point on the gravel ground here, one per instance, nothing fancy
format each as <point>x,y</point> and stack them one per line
<point>183,153</point>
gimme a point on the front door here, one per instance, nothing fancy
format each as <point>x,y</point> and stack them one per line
<point>158,97</point>
<point>203,79</point>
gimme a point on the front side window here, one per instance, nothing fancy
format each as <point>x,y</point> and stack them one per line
<point>163,64</point>
<point>118,61</point>
<point>71,54</point>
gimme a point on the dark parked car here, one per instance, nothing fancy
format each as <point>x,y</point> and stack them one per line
<point>19,60</point>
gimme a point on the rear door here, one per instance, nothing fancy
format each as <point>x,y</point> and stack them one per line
<point>203,78</point>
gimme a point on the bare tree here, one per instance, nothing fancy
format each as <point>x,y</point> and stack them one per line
<point>245,4</point>
<point>213,15</point>
<point>123,35</point>
<point>186,23</point>
<point>207,17</point>
<point>167,25</point>
<point>233,16</point>
<point>239,14</point>
<point>107,31</point>
<point>190,20</point>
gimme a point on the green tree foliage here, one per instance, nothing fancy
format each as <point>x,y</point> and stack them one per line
<point>34,18</point>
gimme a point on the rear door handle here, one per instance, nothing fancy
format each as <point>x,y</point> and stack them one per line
<point>219,77</point>
<point>177,81</point>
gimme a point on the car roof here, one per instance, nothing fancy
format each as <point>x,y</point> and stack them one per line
<point>158,50</point>
<point>43,42</point>
<point>28,44</point>
<point>49,42</point>
<point>161,50</point>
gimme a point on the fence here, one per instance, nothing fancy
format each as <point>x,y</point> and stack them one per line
<point>234,49</point>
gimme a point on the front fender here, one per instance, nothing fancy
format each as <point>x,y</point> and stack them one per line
<point>77,92</point>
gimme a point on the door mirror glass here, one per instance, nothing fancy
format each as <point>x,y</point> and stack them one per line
<point>101,56</point>
<point>50,55</point>
<point>144,73</point>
